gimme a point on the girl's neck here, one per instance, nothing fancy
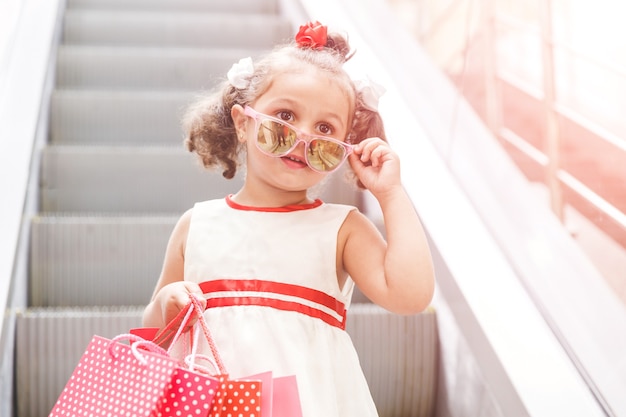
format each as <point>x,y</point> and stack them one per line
<point>246,197</point>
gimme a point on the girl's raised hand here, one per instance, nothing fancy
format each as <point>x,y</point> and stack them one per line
<point>376,165</point>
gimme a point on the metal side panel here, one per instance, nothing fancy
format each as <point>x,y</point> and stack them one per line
<point>174,28</point>
<point>127,179</point>
<point>121,68</point>
<point>398,355</point>
<point>231,6</point>
<point>96,261</point>
<point>49,345</point>
<point>117,117</point>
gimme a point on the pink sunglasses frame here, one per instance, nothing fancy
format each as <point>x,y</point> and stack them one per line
<point>300,137</point>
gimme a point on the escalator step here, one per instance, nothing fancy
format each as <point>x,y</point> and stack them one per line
<point>171,29</point>
<point>127,179</point>
<point>117,117</point>
<point>152,68</point>
<point>49,344</point>
<point>398,355</point>
<point>96,260</point>
<point>216,6</point>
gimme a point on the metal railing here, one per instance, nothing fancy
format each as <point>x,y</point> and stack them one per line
<point>555,176</point>
<point>25,83</point>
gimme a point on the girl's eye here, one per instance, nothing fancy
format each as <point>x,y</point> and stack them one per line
<point>285,115</point>
<point>325,129</point>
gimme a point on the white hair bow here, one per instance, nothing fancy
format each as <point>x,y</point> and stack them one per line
<point>370,92</point>
<point>239,73</point>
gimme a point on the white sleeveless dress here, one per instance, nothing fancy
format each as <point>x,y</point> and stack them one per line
<point>274,303</point>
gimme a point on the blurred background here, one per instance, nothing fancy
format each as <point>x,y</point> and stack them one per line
<point>549,80</point>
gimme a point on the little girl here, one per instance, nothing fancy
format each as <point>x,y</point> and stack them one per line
<point>275,267</point>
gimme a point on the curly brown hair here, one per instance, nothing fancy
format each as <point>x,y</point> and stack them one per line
<point>210,130</point>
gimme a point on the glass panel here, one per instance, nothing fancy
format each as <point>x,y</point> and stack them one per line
<point>589,53</point>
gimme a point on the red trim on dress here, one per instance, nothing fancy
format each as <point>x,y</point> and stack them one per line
<point>282,209</point>
<point>271,287</point>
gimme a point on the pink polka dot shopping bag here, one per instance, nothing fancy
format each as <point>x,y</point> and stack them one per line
<point>129,380</point>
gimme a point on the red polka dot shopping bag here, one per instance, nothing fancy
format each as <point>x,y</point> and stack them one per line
<point>237,398</point>
<point>188,394</point>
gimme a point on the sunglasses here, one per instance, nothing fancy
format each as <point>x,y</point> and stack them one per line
<point>277,138</point>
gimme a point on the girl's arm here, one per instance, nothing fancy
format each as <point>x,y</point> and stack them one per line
<point>172,292</point>
<point>397,274</point>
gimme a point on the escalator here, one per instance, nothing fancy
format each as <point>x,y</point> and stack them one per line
<point>114,178</point>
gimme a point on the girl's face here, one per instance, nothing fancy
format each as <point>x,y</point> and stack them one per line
<point>309,100</point>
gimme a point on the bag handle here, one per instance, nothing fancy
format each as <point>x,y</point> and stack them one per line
<point>191,363</point>
<point>188,311</point>
<point>135,343</point>
<point>191,359</point>
<point>175,328</point>
<point>195,302</point>
<point>171,328</point>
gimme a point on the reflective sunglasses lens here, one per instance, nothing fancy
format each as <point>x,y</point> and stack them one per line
<point>325,155</point>
<point>275,138</point>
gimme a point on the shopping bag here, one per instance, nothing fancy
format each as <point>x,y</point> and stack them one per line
<point>188,394</point>
<point>286,398</point>
<point>279,395</point>
<point>237,397</point>
<point>112,379</point>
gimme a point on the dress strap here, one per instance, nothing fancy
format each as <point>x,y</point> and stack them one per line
<point>288,297</point>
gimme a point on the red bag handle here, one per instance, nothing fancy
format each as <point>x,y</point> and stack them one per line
<point>175,328</point>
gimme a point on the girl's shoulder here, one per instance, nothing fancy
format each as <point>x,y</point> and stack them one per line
<point>205,207</point>
<point>339,207</point>
<point>217,202</point>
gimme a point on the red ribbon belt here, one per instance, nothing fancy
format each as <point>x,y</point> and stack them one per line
<point>277,295</point>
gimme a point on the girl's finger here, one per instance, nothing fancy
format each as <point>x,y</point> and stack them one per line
<point>366,150</point>
<point>375,158</point>
<point>373,150</point>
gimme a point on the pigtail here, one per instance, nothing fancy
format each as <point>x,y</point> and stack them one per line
<point>367,123</point>
<point>210,131</point>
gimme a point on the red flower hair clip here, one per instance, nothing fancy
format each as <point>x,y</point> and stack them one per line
<point>312,35</point>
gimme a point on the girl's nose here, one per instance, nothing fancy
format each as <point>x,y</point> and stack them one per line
<point>300,146</point>
<point>304,132</point>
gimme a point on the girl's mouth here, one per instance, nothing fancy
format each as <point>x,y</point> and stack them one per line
<point>293,161</point>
